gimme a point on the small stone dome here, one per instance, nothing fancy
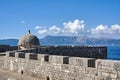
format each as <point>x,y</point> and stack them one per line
<point>28,40</point>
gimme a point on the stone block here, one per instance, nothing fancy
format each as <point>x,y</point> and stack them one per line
<point>82,62</point>
<point>17,54</point>
<point>116,66</point>
<point>113,76</point>
<point>77,61</point>
<point>39,56</point>
<point>7,53</point>
<point>56,59</point>
<point>27,55</point>
<point>43,58</point>
<point>105,74</point>
<point>106,65</point>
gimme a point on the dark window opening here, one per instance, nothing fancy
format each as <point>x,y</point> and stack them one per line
<point>2,54</point>
<point>91,63</point>
<point>11,54</point>
<point>33,57</point>
<point>21,55</point>
<point>65,60</point>
<point>46,58</point>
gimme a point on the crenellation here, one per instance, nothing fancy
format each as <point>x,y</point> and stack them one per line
<point>91,63</point>
<point>11,54</point>
<point>40,57</point>
<point>56,59</point>
<point>46,65</point>
<point>46,58</point>
<point>17,54</point>
<point>27,56</point>
<point>54,67</point>
<point>76,61</point>
<point>20,55</point>
<point>33,56</point>
<point>65,60</point>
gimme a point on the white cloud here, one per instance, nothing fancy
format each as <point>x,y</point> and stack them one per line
<point>101,29</point>
<point>115,29</point>
<point>37,27</point>
<point>75,27</point>
<point>41,32</point>
<point>55,29</point>
<point>22,22</point>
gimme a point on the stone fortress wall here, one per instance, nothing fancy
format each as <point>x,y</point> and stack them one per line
<point>4,48</point>
<point>54,67</point>
<point>76,51</point>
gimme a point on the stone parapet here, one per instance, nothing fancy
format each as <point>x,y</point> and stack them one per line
<point>54,67</point>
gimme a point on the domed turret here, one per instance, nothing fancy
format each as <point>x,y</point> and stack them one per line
<point>28,41</point>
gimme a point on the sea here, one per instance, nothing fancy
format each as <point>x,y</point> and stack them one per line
<point>113,52</point>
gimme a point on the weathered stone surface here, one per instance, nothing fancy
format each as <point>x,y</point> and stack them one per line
<point>55,68</point>
<point>11,79</point>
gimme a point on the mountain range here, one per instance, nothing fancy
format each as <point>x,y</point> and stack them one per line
<point>68,40</point>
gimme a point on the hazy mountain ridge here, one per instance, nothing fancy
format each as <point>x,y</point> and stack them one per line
<point>12,42</point>
<point>68,40</point>
<point>78,40</point>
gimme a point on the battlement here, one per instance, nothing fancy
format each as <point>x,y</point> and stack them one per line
<point>57,67</point>
<point>77,61</point>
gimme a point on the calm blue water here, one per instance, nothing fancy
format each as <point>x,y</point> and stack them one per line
<point>113,52</point>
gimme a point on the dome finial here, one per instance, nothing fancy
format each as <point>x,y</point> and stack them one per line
<point>29,32</point>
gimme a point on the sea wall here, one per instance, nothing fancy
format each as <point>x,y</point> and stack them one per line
<point>54,67</point>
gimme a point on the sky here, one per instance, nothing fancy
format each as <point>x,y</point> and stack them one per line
<point>92,18</point>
